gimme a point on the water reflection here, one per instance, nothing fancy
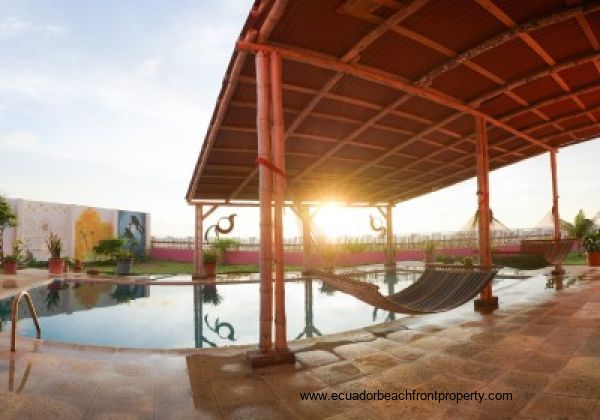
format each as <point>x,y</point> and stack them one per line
<point>11,376</point>
<point>5,311</point>
<point>309,330</point>
<point>208,294</point>
<point>556,280</point>
<point>390,279</point>
<point>125,293</point>
<point>134,315</point>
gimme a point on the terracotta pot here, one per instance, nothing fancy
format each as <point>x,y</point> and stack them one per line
<point>56,265</point>
<point>77,266</point>
<point>593,258</point>
<point>9,267</point>
<point>210,269</point>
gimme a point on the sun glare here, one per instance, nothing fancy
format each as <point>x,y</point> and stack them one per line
<point>334,220</point>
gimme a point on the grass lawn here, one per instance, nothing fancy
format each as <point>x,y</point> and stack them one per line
<point>575,258</point>
<point>175,267</point>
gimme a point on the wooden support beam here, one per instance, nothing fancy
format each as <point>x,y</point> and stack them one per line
<point>509,35</point>
<point>537,48</point>
<point>350,56</point>
<point>555,212</point>
<point>368,185</point>
<point>384,78</point>
<point>199,218</point>
<point>353,135</point>
<point>486,300</point>
<point>198,242</point>
<point>390,251</point>
<point>511,85</point>
<point>424,187</point>
<point>263,125</point>
<point>303,213</point>
<point>279,182</point>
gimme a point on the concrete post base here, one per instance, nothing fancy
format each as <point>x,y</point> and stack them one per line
<point>257,358</point>
<point>486,305</point>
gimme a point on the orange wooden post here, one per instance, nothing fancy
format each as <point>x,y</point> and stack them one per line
<point>263,128</point>
<point>486,300</point>
<point>306,239</point>
<point>198,243</point>
<point>390,255</point>
<point>555,213</point>
<point>279,183</point>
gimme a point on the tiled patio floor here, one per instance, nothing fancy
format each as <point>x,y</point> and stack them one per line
<point>544,348</point>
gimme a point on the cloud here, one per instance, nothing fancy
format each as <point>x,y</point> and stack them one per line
<point>12,26</point>
<point>149,67</point>
<point>18,141</point>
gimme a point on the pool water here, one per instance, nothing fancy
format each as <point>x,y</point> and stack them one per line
<point>157,316</point>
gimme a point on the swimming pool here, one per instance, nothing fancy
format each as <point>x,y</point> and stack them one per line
<point>157,316</point>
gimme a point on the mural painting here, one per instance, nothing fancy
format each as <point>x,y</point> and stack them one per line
<point>132,229</point>
<point>36,220</point>
<point>90,228</point>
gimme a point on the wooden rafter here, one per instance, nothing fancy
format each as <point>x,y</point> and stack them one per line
<point>523,28</point>
<point>466,170</point>
<point>486,73</point>
<point>381,77</point>
<point>350,56</point>
<point>367,186</point>
<point>535,46</point>
<point>587,58</point>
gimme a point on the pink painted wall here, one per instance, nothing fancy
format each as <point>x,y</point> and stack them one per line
<point>295,258</point>
<point>172,254</point>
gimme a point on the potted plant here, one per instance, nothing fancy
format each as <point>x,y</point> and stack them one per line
<point>209,261</point>
<point>10,262</point>
<point>77,265</point>
<point>124,262</point>
<point>591,243</point>
<point>468,262</point>
<point>55,263</point>
<point>222,245</point>
<point>68,264</point>
<point>8,218</point>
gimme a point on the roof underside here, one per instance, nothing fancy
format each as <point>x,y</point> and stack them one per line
<point>531,66</point>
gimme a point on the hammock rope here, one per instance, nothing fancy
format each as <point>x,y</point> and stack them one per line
<point>535,254</point>
<point>440,288</point>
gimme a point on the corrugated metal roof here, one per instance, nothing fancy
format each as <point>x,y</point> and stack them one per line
<point>494,58</point>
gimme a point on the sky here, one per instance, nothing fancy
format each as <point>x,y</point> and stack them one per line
<point>107,103</point>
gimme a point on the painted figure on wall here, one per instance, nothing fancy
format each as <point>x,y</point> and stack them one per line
<point>132,230</point>
<point>90,229</point>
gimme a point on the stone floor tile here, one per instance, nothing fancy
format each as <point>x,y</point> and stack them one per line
<point>315,358</point>
<point>526,381</point>
<point>376,362</point>
<point>583,367</point>
<point>289,386</point>
<point>575,387</point>
<point>338,372</point>
<point>234,392</point>
<point>352,351</point>
<point>550,406</point>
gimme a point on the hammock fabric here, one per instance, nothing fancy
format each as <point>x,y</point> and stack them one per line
<point>437,290</point>
<point>535,254</point>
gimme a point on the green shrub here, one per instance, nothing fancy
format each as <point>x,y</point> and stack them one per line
<point>54,245</point>
<point>591,241</point>
<point>209,256</point>
<point>109,247</point>
<point>222,245</point>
